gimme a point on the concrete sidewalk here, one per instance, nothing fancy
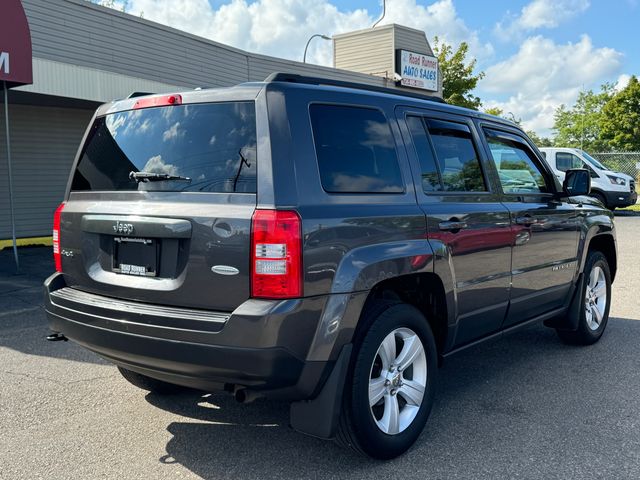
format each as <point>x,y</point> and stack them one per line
<point>22,292</point>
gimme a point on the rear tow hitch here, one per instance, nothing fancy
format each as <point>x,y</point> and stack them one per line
<point>57,337</point>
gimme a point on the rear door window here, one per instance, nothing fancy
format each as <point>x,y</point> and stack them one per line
<point>355,149</point>
<point>452,165</point>
<point>213,145</point>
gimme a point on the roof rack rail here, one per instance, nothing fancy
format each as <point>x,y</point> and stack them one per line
<point>295,78</point>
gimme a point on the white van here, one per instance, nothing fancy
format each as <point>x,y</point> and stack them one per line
<point>613,189</point>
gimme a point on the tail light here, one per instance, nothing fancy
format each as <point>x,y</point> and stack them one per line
<point>276,254</point>
<point>57,256</point>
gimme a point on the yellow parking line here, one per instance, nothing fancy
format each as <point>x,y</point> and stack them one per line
<point>22,242</point>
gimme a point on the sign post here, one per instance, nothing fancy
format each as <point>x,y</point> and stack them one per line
<point>15,69</point>
<point>5,90</point>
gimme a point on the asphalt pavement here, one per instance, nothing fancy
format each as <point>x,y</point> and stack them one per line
<point>526,406</point>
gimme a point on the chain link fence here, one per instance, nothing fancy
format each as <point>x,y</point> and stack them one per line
<point>625,162</point>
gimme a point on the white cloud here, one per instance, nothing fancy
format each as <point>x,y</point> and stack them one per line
<point>622,82</point>
<point>172,132</point>
<point>543,74</point>
<point>118,5</point>
<point>530,84</point>
<point>440,19</point>
<point>145,126</point>
<point>156,165</point>
<point>281,27</point>
<point>539,14</point>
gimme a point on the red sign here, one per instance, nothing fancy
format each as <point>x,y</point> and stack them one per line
<point>15,45</point>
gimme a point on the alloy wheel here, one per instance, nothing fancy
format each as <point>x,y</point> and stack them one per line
<point>595,299</point>
<point>397,381</point>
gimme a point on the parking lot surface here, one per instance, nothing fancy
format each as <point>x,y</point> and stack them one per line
<point>525,406</point>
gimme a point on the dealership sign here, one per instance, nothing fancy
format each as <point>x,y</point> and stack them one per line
<point>417,70</point>
<point>15,45</point>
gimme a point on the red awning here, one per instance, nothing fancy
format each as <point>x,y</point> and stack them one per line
<point>15,45</point>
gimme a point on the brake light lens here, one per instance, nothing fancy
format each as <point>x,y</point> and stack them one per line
<point>276,254</point>
<point>57,256</point>
<point>162,101</point>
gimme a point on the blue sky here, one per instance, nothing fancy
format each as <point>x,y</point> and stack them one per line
<point>537,54</point>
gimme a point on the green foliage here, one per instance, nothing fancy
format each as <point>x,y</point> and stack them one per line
<point>494,111</point>
<point>538,140</point>
<point>620,120</point>
<point>580,125</point>
<point>112,4</point>
<point>458,78</point>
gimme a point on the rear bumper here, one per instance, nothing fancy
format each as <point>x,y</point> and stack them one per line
<point>621,199</point>
<point>261,346</point>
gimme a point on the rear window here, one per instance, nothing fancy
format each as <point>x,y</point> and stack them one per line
<point>355,149</point>
<point>213,145</point>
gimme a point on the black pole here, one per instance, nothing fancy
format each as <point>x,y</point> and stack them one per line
<point>13,218</point>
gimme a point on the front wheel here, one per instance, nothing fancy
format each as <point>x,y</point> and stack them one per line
<point>596,302</point>
<point>601,198</point>
<point>391,382</point>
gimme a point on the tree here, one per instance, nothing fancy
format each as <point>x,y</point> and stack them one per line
<point>458,78</point>
<point>620,120</point>
<point>580,125</point>
<point>121,5</point>
<point>537,139</point>
<point>494,111</point>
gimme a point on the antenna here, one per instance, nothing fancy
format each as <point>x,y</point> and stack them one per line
<point>384,12</point>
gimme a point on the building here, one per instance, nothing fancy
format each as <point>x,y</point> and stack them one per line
<point>85,55</point>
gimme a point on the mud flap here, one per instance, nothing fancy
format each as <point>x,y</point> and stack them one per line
<point>319,417</point>
<point>569,321</point>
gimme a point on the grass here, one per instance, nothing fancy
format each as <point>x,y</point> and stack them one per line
<point>632,208</point>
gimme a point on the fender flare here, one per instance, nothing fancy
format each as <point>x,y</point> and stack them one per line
<point>358,272</point>
<point>361,268</point>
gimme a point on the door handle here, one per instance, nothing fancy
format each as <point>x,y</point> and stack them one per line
<point>526,220</point>
<point>452,226</point>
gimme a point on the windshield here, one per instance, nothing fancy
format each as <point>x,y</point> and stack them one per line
<point>593,161</point>
<point>213,145</point>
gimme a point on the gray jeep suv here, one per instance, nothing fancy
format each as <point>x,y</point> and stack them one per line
<point>321,242</point>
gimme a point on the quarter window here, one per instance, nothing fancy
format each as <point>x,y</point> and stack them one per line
<point>355,149</point>
<point>517,169</point>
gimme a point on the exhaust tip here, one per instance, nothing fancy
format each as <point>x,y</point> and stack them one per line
<point>243,395</point>
<point>57,337</point>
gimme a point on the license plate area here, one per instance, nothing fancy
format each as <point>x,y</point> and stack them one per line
<point>136,256</point>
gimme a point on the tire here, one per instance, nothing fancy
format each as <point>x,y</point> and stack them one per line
<point>361,426</point>
<point>594,315</point>
<point>600,197</point>
<point>150,384</point>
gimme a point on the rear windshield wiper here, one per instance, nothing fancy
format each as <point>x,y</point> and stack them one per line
<point>155,177</point>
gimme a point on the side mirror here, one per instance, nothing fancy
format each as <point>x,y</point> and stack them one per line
<point>576,182</point>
